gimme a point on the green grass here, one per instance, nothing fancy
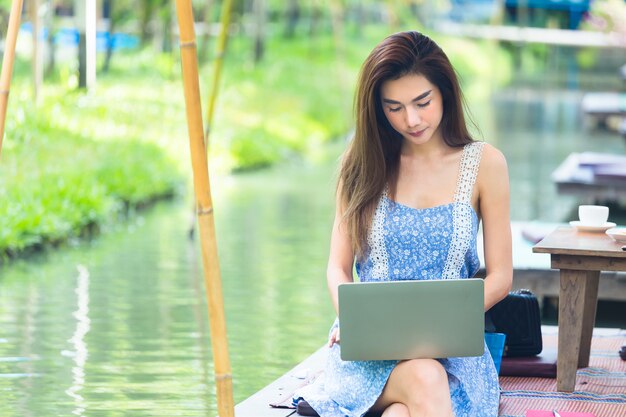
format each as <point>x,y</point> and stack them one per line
<point>60,178</point>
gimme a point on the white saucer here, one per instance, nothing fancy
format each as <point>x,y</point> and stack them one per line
<point>618,234</point>
<point>587,228</point>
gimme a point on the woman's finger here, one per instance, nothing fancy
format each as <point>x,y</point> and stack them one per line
<point>334,338</point>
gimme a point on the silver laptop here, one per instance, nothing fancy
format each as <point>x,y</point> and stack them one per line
<point>411,319</point>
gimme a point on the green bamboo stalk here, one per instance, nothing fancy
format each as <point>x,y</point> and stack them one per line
<point>217,65</point>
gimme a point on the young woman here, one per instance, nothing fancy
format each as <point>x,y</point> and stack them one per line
<point>412,190</point>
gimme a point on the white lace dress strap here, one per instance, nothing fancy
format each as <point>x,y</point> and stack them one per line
<point>376,240</point>
<point>462,211</point>
<point>468,170</point>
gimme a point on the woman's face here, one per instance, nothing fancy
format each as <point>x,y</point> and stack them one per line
<point>414,107</point>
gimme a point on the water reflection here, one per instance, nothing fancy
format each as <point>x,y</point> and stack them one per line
<point>536,130</point>
<point>136,318</point>
<point>80,352</point>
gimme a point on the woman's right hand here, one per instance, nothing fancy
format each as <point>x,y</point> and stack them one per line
<point>334,337</point>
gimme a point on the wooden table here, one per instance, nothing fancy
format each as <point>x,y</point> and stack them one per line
<point>580,256</point>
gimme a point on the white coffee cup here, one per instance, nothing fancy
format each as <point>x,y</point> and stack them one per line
<point>593,215</point>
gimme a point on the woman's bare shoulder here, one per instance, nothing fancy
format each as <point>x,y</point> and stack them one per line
<point>493,173</point>
<point>492,160</point>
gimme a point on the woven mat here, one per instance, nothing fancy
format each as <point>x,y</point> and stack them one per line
<point>600,389</point>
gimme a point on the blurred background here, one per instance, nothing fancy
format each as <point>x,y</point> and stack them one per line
<point>102,306</point>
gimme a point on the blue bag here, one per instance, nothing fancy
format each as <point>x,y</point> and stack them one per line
<point>495,344</point>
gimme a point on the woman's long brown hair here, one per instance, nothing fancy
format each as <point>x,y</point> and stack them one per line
<point>373,156</point>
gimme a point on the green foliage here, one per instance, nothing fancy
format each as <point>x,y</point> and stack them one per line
<point>296,99</point>
<point>478,60</point>
<point>587,57</point>
<point>135,172</point>
<point>57,180</point>
<point>123,11</point>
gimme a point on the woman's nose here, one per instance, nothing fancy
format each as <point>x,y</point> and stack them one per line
<point>413,117</point>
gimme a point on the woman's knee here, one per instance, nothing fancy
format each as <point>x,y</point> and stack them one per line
<point>425,373</point>
<point>418,384</point>
<point>396,410</point>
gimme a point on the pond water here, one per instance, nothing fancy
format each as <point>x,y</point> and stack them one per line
<point>118,325</point>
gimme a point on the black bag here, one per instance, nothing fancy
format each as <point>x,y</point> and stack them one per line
<point>304,409</point>
<point>518,317</point>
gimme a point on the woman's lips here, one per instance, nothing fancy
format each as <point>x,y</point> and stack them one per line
<point>418,133</point>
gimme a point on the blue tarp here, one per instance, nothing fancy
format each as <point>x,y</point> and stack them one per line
<point>69,37</point>
<point>472,10</point>
<point>483,10</point>
<point>575,8</point>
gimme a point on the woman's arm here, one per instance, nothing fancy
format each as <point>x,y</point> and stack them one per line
<point>340,264</point>
<point>493,201</point>
<point>341,258</point>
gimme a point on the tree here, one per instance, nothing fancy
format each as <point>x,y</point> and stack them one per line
<point>5,7</point>
<point>49,23</point>
<point>316,14</point>
<point>85,15</point>
<point>147,8</point>
<point>36,63</point>
<point>206,12</point>
<point>110,13</point>
<point>293,17</point>
<point>117,12</point>
<point>259,33</point>
<point>166,20</point>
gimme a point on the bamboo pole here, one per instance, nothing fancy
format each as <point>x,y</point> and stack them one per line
<point>217,65</point>
<point>7,62</point>
<point>204,206</point>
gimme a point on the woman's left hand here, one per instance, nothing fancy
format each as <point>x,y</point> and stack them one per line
<point>334,337</point>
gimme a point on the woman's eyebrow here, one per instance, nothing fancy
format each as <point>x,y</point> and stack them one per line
<point>418,98</point>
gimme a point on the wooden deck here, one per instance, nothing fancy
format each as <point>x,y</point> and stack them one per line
<point>561,37</point>
<point>280,391</point>
<point>512,400</point>
<point>593,176</point>
<point>604,104</point>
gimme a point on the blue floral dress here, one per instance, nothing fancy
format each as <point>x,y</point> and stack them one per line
<point>407,243</point>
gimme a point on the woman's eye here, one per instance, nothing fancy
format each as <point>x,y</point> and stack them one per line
<point>394,109</point>
<point>424,104</point>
